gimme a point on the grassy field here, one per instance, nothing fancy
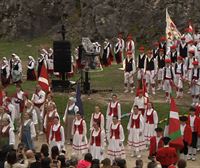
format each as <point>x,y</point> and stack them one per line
<point>110,78</point>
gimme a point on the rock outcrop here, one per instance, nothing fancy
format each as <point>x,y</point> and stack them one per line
<point>98,19</point>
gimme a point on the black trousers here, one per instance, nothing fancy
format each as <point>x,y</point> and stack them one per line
<point>185,148</point>
<point>194,140</point>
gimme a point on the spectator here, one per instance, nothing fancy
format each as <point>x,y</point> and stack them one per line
<point>86,162</point>
<point>139,163</point>
<point>12,161</point>
<point>106,163</point>
<point>30,156</point>
<point>95,163</point>
<point>182,163</point>
<point>54,157</point>
<point>45,163</point>
<point>120,162</point>
<point>62,159</point>
<point>37,163</point>
<point>44,151</point>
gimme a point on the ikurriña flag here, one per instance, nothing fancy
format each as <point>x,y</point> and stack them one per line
<point>43,79</point>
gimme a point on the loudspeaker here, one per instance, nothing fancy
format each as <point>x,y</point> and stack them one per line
<point>62,56</point>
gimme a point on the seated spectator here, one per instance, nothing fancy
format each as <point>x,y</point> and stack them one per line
<point>106,163</point>
<point>86,163</point>
<point>30,156</point>
<point>11,161</point>
<point>45,163</point>
<point>54,157</point>
<point>95,163</point>
<point>182,163</point>
<point>138,163</point>
<point>120,162</point>
<point>44,150</point>
<point>37,163</point>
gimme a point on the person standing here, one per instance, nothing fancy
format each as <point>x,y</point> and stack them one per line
<point>38,99</point>
<point>49,118</point>
<point>186,132</point>
<point>119,49</point>
<point>150,69</point>
<point>129,70</point>
<point>5,73</point>
<point>68,118</point>
<point>193,122</point>
<point>27,132</point>
<point>156,142</point>
<point>167,155</point>
<point>135,128</point>
<point>96,144</point>
<point>161,64</point>
<point>79,132</point>
<point>31,69</point>
<point>151,122</point>
<point>57,135</point>
<point>168,79</point>
<point>113,109</point>
<point>130,45</point>
<point>115,140</point>
<point>16,70</point>
<point>179,70</point>
<point>183,48</point>
<point>6,133</point>
<point>98,117</point>
<point>140,63</point>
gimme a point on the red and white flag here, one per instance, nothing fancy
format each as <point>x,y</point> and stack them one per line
<point>190,27</point>
<point>173,126</point>
<point>172,32</point>
<point>43,79</point>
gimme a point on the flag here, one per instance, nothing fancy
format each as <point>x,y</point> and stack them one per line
<point>172,32</point>
<point>174,131</point>
<point>78,99</point>
<point>43,79</point>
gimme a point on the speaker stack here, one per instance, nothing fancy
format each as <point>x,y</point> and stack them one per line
<point>62,64</point>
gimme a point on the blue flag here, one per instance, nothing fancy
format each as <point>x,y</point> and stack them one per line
<point>78,99</point>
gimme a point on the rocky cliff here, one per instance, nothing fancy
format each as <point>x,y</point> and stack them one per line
<point>97,19</point>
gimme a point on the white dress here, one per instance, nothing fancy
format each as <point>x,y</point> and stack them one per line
<point>97,151</point>
<point>53,142</point>
<point>115,146</point>
<point>135,140</point>
<point>79,140</point>
<point>149,129</point>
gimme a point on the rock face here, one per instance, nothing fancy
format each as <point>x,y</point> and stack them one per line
<point>97,19</point>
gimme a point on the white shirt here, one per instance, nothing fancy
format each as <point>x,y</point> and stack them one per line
<point>113,104</point>
<point>140,102</point>
<point>96,116</point>
<point>121,130</point>
<point>95,133</point>
<point>135,116</point>
<point>76,109</point>
<point>192,119</point>
<point>39,98</point>
<point>55,128</point>
<point>78,122</point>
<point>33,113</point>
<point>50,114</point>
<point>32,65</point>
<point>169,72</point>
<point>182,128</point>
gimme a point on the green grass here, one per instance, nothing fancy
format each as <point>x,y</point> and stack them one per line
<point>109,78</point>
<point>23,48</point>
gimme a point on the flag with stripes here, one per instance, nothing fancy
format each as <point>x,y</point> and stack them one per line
<point>43,79</point>
<point>174,131</point>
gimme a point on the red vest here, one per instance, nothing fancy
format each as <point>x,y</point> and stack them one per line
<point>114,110</point>
<point>149,118</point>
<point>57,134</point>
<point>96,139</point>
<point>135,122</point>
<point>97,119</point>
<point>153,145</point>
<point>115,132</point>
<point>79,127</point>
<point>187,134</point>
